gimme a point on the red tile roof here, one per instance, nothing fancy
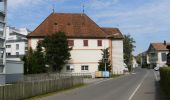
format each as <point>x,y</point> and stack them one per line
<point>74,25</point>
<point>160,46</point>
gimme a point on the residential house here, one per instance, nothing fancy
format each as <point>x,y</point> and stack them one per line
<point>157,53</point>
<point>86,38</point>
<point>16,43</point>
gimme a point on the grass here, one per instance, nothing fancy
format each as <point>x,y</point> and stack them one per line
<point>54,93</point>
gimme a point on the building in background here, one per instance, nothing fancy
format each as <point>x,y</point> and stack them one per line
<point>3,9</point>
<point>10,71</point>
<point>87,40</point>
<point>16,43</point>
<point>157,54</point>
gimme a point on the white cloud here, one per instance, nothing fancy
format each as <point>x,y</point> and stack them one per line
<point>151,18</point>
<point>100,4</point>
<point>14,4</point>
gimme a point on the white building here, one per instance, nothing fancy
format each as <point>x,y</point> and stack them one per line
<point>16,43</point>
<point>157,54</point>
<point>87,40</point>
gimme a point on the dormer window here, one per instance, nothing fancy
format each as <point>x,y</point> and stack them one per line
<point>55,23</point>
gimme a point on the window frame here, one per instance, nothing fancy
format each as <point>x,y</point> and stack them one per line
<point>85,43</point>
<point>17,46</point>
<point>99,43</point>
<point>84,67</point>
<point>163,54</point>
<point>70,42</point>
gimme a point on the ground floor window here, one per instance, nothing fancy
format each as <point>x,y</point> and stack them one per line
<point>69,68</point>
<point>84,67</point>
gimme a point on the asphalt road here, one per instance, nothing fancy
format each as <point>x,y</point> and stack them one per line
<point>140,85</point>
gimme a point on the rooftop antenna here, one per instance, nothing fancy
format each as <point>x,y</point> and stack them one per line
<point>83,6</point>
<point>53,8</point>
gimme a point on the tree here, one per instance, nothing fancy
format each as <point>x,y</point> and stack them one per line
<point>138,58</point>
<point>57,50</point>
<point>128,48</point>
<point>40,59</point>
<point>105,58</point>
<point>34,61</point>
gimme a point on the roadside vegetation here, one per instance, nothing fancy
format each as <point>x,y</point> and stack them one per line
<point>51,54</point>
<point>165,81</point>
<point>128,48</point>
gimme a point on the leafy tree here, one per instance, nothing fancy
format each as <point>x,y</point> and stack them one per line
<point>34,61</point>
<point>128,48</point>
<point>138,59</point>
<point>105,58</point>
<point>57,50</point>
<point>40,59</point>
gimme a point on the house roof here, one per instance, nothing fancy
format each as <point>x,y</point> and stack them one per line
<point>160,46</point>
<point>115,32</point>
<point>75,25</point>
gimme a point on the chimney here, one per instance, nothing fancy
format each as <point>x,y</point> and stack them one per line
<point>164,42</point>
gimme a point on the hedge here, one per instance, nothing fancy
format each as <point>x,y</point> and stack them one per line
<point>165,81</point>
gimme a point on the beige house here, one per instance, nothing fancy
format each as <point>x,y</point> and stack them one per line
<point>87,40</point>
<point>157,54</point>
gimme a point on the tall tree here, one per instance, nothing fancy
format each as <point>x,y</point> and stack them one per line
<point>34,61</point>
<point>40,59</point>
<point>128,48</point>
<point>105,60</point>
<point>57,50</point>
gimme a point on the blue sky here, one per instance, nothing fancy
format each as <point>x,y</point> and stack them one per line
<point>145,20</point>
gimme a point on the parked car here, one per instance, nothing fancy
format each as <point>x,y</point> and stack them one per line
<point>125,68</point>
<point>156,68</point>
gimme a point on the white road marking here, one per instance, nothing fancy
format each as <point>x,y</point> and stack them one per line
<point>130,98</point>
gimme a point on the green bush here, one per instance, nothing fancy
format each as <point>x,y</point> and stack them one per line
<point>165,81</point>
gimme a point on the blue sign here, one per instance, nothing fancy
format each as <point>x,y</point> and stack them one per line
<point>106,74</point>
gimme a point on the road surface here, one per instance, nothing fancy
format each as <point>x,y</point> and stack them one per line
<point>140,85</point>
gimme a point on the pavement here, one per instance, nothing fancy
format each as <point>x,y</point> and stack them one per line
<point>142,84</point>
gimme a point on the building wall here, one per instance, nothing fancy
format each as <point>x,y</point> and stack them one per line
<point>160,62</point>
<point>91,54</point>
<point>13,48</point>
<point>16,37</point>
<point>117,56</point>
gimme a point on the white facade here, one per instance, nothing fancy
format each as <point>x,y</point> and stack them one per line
<point>84,59</point>
<point>157,58</point>
<point>16,43</point>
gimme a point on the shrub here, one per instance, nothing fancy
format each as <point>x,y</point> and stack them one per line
<point>165,81</point>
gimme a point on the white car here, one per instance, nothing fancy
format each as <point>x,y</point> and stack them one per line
<point>125,68</point>
<point>156,68</point>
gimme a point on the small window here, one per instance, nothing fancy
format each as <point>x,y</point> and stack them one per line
<point>164,56</point>
<point>8,46</point>
<point>71,42</point>
<point>8,54</point>
<point>17,53</point>
<point>85,42</point>
<point>99,42</point>
<point>84,68</point>
<point>17,46</point>
<point>69,68</point>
